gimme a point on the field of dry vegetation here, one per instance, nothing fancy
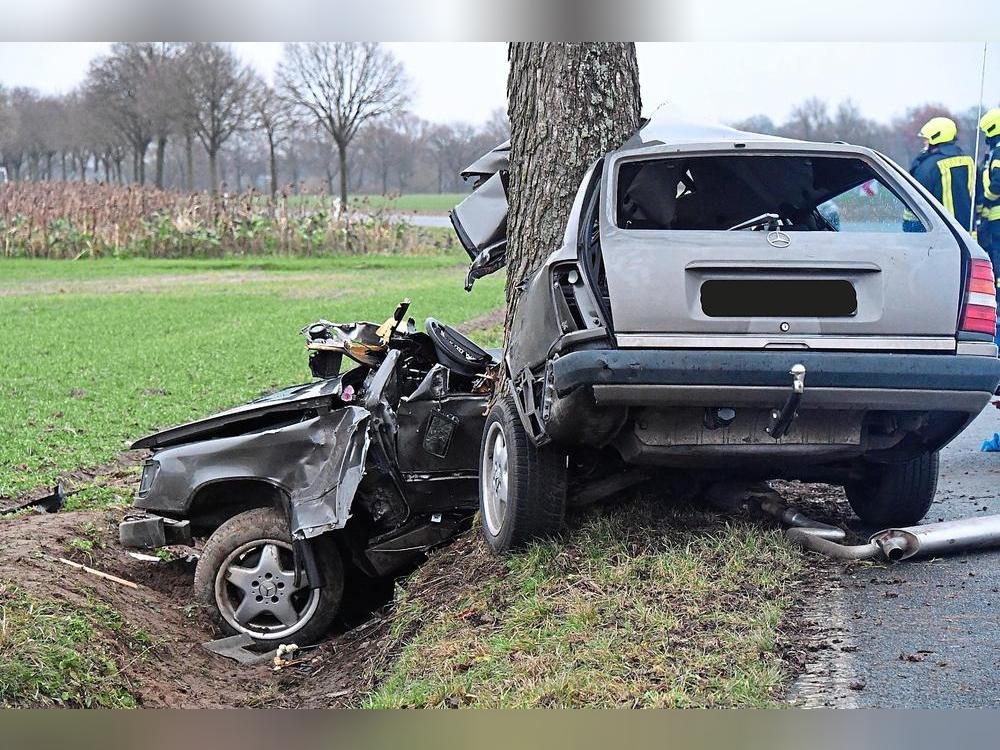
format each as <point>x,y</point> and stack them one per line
<point>77,220</point>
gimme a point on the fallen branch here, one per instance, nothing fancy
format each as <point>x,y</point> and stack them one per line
<point>98,573</point>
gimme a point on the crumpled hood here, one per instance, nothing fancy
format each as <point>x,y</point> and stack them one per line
<point>256,414</point>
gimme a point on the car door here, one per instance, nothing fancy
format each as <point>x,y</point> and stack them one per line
<point>480,221</point>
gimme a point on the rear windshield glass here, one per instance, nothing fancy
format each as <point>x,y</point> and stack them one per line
<point>753,192</point>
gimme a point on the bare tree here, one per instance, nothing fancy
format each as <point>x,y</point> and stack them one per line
<point>342,85</point>
<point>810,121</point>
<point>553,89</point>
<point>131,82</point>
<point>273,116</point>
<point>219,87</point>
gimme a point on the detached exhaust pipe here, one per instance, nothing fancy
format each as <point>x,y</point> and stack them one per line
<point>931,539</point>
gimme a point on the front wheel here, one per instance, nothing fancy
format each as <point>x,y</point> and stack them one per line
<point>896,494</point>
<point>522,487</point>
<point>246,577</point>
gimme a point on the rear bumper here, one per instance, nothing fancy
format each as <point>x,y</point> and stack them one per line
<point>834,380</point>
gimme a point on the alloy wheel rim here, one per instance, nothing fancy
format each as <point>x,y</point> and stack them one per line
<point>495,479</point>
<point>256,593</point>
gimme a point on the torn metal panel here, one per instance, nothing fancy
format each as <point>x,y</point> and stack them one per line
<point>313,461</point>
<point>296,398</point>
<point>493,161</point>
<point>330,470</point>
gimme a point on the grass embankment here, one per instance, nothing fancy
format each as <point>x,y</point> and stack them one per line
<point>97,353</point>
<point>53,653</point>
<point>642,605</point>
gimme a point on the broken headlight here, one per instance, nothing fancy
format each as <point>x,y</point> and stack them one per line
<point>149,472</point>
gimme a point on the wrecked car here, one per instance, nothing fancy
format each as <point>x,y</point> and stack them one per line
<point>728,304</point>
<point>361,471</point>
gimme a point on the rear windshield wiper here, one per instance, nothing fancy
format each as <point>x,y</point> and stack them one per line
<point>764,219</point>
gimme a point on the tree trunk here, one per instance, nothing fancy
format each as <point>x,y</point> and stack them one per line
<point>161,153</point>
<point>569,104</point>
<point>342,164</point>
<point>213,172</point>
<point>189,162</point>
<point>273,164</point>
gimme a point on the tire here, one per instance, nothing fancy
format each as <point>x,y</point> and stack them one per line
<point>522,488</point>
<point>257,544</point>
<point>896,494</point>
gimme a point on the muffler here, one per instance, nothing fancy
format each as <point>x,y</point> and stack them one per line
<point>946,537</point>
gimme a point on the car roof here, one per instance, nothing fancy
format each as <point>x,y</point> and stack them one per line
<point>669,130</point>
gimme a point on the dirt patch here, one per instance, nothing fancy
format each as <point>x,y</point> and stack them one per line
<point>158,283</point>
<point>491,319</point>
<point>177,672</point>
<point>118,473</point>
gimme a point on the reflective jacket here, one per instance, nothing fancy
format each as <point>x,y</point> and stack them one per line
<point>949,174</point>
<point>988,190</point>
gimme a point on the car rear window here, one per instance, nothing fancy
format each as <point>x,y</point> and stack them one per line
<point>757,192</point>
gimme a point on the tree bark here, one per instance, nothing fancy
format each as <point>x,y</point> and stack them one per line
<point>568,104</point>
<point>161,152</point>
<point>342,163</point>
<point>213,172</point>
<point>273,159</point>
<point>189,161</point>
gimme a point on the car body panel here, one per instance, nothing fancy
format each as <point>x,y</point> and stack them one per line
<point>892,379</point>
<point>287,401</point>
<point>655,276</point>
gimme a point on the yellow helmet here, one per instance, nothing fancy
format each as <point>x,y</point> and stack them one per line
<point>939,130</point>
<point>990,124</point>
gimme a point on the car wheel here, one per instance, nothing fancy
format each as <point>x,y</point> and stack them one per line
<point>896,494</point>
<point>522,488</point>
<point>246,578</point>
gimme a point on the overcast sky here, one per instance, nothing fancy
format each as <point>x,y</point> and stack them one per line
<point>720,81</point>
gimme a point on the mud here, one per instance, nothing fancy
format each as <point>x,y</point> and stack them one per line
<point>178,672</point>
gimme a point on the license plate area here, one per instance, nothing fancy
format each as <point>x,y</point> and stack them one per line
<point>778,298</point>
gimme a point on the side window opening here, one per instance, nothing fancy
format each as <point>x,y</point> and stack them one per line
<point>759,192</point>
<point>589,244</point>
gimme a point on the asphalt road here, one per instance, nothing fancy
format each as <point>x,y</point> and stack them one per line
<point>924,634</point>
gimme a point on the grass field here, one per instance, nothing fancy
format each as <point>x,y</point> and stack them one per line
<point>98,353</point>
<point>421,203</point>
<point>646,604</point>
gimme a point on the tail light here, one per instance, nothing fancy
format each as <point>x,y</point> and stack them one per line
<point>980,313</point>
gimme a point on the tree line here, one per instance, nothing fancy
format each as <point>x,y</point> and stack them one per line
<point>815,120</point>
<point>191,116</point>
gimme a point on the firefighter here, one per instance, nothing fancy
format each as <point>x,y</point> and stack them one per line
<point>945,170</point>
<point>988,190</point>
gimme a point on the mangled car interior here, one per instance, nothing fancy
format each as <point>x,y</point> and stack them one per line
<point>723,303</point>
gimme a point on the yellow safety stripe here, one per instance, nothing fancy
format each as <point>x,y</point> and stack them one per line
<point>945,166</point>
<point>990,195</point>
<point>992,214</point>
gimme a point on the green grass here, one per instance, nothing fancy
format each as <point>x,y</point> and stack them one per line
<point>642,605</point>
<point>421,203</point>
<point>98,353</point>
<point>52,653</point>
